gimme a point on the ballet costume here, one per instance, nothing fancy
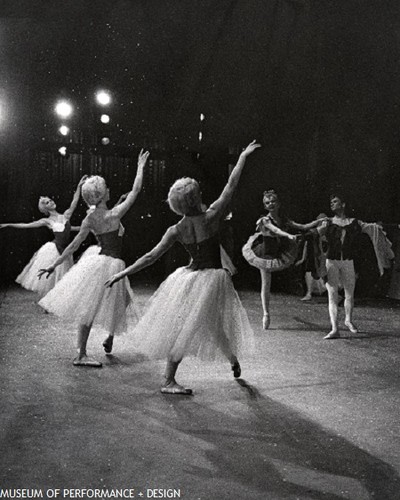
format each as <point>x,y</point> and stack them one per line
<point>44,258</point>
<point>268,251</point>
<point>82,297</point>
<point>195,312</point>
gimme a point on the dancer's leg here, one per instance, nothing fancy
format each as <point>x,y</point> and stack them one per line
<point>171,386</point>
<point>309,283</point>
<point>332,286</point>
<point>83,359</point>
<point>348,277</point>
<point>265,296</point>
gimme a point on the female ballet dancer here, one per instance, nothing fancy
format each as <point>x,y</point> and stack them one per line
<point>60,226</point>
<point>342,234</point>
<point>81,296</point>
<point>196,310</point>
<point>272,248</point>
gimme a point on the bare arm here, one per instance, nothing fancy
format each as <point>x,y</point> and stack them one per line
<point>169,238</point>
<point>121,209</point>
<point>274,229</point>
<point>71,248</point>
<point>305,227</point>
<point>68,213</point>
<point>27,225</point>
<point>221,204</point>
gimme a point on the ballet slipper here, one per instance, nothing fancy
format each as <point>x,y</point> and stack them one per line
<point>352,328</point>
<point>332,335</point>
<point>266,321</point>
<point>236,369</point>
<point>108,344</point>
<point>175,388</point>
<point>86,361</point>
<point>306,298</point>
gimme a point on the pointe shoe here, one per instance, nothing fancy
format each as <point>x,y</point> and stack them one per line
<point>175,388</point>
<point>332,335</point>
<point>306,298</point>
<point>86,361</point>
<point>266,321</point>
<point>351,327</point>
<point>108,344</point>
<point>236,369</point>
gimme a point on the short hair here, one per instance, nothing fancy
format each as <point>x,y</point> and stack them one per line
<point>270,194</point>
<point>94,190</point>
<point>184,195</point>
<point>42,205</point>
<point>341,197</point>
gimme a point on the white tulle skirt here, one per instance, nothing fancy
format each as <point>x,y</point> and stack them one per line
<point>43,258</point>
<point>82,298</point>
<point>194,313</point>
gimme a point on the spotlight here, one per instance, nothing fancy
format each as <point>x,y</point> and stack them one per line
<point>64,130</point>
<point>105,141</point>
<point>103,97</point>
<point>202,117</point>
<point>63,151</point>
<point>105,119</point>
<point>200,136</point>
<point>63,109</point>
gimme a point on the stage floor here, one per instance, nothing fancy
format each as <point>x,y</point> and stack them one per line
<point>309,419</point>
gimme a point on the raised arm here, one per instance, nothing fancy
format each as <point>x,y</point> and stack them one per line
<point>121,209</point>
<point>169,238</point>
<point>71,248</point>
<point>221,204</point>
<point>27,225</point>
<point>74,203</point>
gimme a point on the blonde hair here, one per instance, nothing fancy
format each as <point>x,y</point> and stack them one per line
<point>184,195</point>
<point>94,190</point>
<point>42,205</point>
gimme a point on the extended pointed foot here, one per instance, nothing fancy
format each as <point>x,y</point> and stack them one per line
<point>332,335</point>
<point>174,388</point>
<point>351,327</point>
<point>266,321</point>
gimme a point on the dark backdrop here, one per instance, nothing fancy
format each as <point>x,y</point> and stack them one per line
<point>316,82</point>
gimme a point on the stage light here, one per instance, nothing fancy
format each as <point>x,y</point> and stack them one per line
<point>202,117</point>
<point>105,141</point>
<point>200,136</point>
<point>105,119</point>
<point>64,130</point>
<point>63,150</point>
<point>103,97</point>
<point>64,109</point>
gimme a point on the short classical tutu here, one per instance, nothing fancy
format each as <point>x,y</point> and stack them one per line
<point>82,298</point>
<point>43,258</point>
<point>194,313</point>
<point>253,252</point>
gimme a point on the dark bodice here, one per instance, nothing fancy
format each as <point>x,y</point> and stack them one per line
<point>205,254</point>
<point>342,240</point>
<point>110,243</point>
<point>273,245</point>
<point>61,238</point>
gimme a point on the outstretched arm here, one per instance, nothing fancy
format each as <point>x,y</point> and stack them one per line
<point>169,238</point>
<point>306,227</point>
<point>71,248</point>
<point>276,230</point>
<point>68,213</point>
<point>121,209</point>
<point>221,204</point>
<point>27,225</point>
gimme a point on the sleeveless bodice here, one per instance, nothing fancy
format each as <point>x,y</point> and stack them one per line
<point>110,243</point>
<point>205,254</point>
<point>273,245</point>
<point>61,238</point>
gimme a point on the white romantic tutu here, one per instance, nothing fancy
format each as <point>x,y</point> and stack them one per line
<point>194,313</point>
<point>43,258</point>
<point>92,250</point>
<point>82,298</point>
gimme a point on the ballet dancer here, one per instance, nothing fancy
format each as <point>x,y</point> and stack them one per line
<point>342,234</point>
<point>196,310</point>
<point>81,296</point>
<point>272,248</point>
<point>60,226</point>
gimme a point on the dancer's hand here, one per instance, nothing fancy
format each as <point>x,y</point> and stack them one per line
<point>82,180</point>
<point>48,270</point>
<point>109,283</point>
<point>142,158</point>
<point>250,148</point>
